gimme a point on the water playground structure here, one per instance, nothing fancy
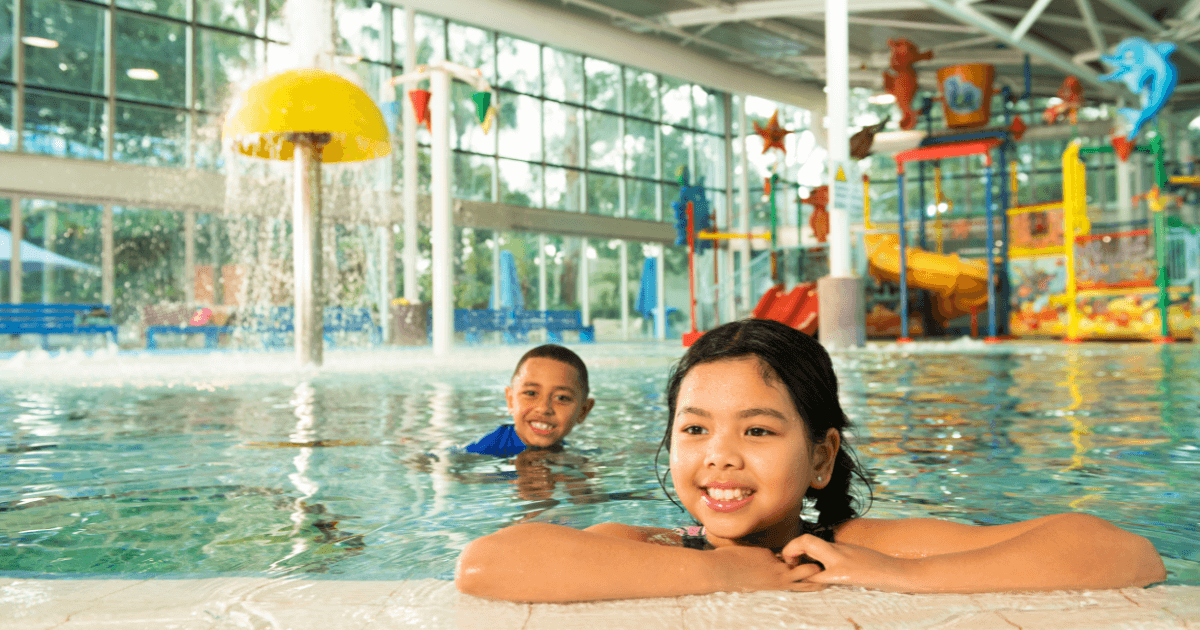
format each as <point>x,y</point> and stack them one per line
<point>1047,275</point>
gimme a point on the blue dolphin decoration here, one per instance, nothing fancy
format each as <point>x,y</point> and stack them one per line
<point>1143,67</point>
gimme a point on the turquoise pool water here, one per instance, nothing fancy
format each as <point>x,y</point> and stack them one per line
<point>352,475</point>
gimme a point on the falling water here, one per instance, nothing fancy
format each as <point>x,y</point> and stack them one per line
<point>356,208</point>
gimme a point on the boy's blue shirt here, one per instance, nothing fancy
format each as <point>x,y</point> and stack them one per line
<point>503,442</point>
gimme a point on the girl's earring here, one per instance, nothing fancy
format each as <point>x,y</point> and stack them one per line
<point>818,477</point>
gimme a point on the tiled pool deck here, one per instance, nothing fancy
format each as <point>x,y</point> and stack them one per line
<point>217,604</point>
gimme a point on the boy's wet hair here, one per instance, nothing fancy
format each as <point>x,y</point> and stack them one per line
<point>802,365</point>
<point>561,354</point>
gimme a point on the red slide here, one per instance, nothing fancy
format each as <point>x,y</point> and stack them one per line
<point>796,308</point>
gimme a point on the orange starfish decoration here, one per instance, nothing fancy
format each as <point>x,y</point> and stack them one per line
<point>772,134</point>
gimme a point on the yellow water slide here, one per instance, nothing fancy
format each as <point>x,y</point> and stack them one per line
<point>960,285</point>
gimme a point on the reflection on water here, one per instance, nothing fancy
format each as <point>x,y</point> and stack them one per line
<point>356,476</point>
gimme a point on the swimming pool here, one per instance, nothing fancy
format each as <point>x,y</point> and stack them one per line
<point>200,466</point>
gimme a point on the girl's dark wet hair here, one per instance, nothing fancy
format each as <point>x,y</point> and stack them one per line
<point>803,366</point>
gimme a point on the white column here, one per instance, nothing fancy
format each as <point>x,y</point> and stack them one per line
<point>496,267</point>
<point>584,283</point>
<point>442,269</point>
<point>726,224</point>
<point>108,275</point>
<point>412,292</point>
<point>386,277</point>
<point>189,258</point>
<point>306,255</point>
<point>17,231</point>
<point>744,203</point>
<point>1124,190</point>
<point>49,229</point>
<point>837,87</point>
<point>542,274</point>
<point>1187,167</point>
<point>623,289</point>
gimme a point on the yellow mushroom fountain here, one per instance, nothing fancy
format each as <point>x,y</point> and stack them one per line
<point>308,116</point>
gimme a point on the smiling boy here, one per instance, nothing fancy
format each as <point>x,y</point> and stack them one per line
<point>547,398</point>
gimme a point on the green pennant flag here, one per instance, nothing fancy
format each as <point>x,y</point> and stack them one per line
<point>483,100</point>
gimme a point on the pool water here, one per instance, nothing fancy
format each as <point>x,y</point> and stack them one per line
<point>353,474</point>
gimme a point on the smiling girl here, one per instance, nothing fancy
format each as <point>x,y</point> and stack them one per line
<point>755,428</point>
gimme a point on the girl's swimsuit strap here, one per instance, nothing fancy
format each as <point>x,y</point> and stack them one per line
<point>693,536</point>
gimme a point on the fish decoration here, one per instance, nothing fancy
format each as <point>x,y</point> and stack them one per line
<point>1146,70</point>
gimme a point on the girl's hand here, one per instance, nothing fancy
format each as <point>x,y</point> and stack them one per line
<point>757,569</point>
<point>849,565</point>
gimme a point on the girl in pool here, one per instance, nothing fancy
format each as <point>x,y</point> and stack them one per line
<point>754,428</point>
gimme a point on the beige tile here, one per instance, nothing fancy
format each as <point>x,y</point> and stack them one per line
<point>642,614</point>
<point>324,592</point>
<point>876,609</point>
<point>310,616</point>
<point>1181,601</point>
<point>1131,618</point>
<point>34,602</point>
<point>139,624</point>
<point>762,609</point>
<point>1051,601</point>
<point>423,617</point>
<point>417,593</point>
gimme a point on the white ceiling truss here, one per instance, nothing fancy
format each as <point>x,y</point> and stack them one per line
<point>785,38</point>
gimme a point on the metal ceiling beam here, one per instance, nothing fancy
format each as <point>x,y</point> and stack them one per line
<point>969,15</point>
<point>1190,11</point>
<point>1093,26</point>
<point>766,9</point>
<point>571,31</point>
<point>899,24</point>
<point>790,32</point>
<point>917,26</point>
<point>1030,17</point>
<point>1054,19</point>
<point>1139,16</point>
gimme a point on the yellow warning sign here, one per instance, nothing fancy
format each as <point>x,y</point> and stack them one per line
<point>841,174</point>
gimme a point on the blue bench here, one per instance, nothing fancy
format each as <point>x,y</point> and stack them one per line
<point>212,334</point>
<point>515,325</point>
<point>56,319</point>
<point>279,321</point>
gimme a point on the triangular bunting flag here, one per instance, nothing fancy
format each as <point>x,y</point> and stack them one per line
<point>489,120</point>
<point>420,103</point>
<point>483,100</point>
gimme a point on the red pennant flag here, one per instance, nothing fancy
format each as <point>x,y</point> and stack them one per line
<point>1122,147</point>
<point>420,103</point>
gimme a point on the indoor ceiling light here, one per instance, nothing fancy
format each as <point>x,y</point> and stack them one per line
<point>142,74</point>
<point>881,99</point>
<point>40,42</point>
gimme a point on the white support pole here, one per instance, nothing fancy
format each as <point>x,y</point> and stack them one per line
<point>542,274</point>
<point>727,286</point>
<point>387,269</point>
<point>584,283</point>
<point>306,256</point>
<point>17,232</point>
<point>49,230</point>
<point>623,289</point>
<point>840,309</point>
<point>189,258</point>
<point>412,292</point>
<point>837,86</point>
<point>442,269</point>
<point>108,274</point>
<point>744,204</point>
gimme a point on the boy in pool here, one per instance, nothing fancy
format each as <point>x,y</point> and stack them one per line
<point>547,398</point>
<point>754,427</point>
